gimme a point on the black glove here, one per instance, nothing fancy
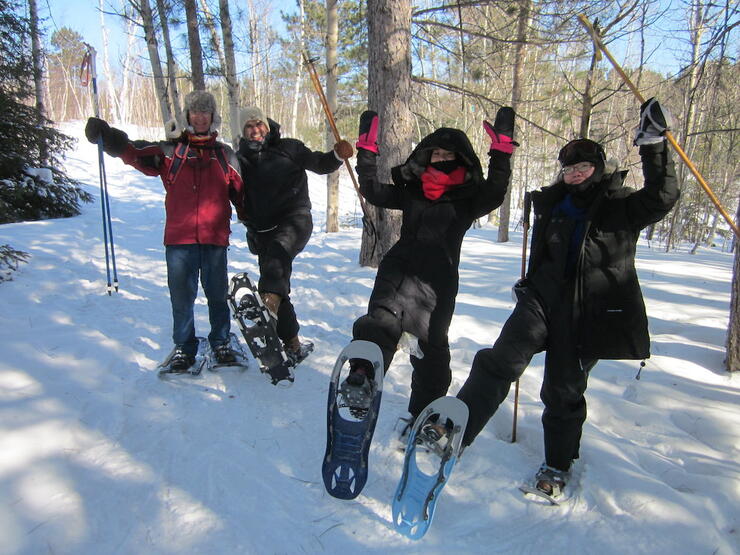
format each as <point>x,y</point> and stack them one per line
<point>368,135</point>
<point>115,141</point>
<point>654,122</point>
<point>95,128</point>
<point>502,131</point>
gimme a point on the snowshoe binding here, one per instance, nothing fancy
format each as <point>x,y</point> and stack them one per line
<point>549,484</point>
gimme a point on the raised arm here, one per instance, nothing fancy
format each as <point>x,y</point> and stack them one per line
<point>499,165</point>
<point>379,194</point>
<point>145,156</point>
<point>660,192</point>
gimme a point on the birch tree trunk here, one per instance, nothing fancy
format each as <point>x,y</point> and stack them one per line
<point>520,53</point>
<point>114,105</point>
<point>232,83</point>
<point>732,360</point>
<point>38,74</point>
<point>299,71</point>
<point>389,93</point>
<point>332,180</point>
<point>160,87</point>
<point>196,51</point>
<point>171,66</point>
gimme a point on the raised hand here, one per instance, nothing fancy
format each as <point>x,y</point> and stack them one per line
<point>502,130</point>
<point>654,122</point>
<point>368,135</point>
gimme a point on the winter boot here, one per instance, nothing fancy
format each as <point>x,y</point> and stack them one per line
<point>358,389</point>
<point>224,354</point>
<point>272,302</point>
<point>180,360</point>
<point>551,481</point>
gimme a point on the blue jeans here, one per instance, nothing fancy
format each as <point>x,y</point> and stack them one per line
<point>184,263</point>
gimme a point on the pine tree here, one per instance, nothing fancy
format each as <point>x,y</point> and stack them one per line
<point>28,191</point>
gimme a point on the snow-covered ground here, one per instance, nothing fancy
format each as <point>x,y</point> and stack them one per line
<point>98,455</point>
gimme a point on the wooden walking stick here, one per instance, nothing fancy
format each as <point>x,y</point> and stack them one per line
<point>525,227</point>
<point>668,135</point>
<point>332,123</point>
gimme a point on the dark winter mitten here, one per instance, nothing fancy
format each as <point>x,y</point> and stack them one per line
<point>343,149</point>
<point>95,128</point>
<point>368,135</point>
<point>115,142</point>
<point>502,131</point>
<point>654,122</point>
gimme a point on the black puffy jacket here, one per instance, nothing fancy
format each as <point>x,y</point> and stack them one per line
<point>607,305</point>
<point>275,181</point>
<point>418,277</point>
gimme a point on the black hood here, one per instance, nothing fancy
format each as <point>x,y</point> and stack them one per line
<point>447,138</point>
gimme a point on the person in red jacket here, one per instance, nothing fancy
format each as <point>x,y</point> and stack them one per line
<point>200,177</point>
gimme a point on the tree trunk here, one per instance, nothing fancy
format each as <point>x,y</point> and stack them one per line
<point>160,86</point>
<point>196,51</point>
<point>299,71</point>
<point>232,82</point>
<point>38,76</point>
<point>171,66</point>
<point>332,180</point>
<point>389,91</point>
<point>520,53</point>
<point>114,106</point>
<point>732,360</point>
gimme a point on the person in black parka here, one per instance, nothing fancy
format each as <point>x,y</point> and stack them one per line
<point>580,300</point>
<point>277,209</point>
<point>441,191</point>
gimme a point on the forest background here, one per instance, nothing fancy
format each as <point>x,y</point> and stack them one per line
<point>453,64</point>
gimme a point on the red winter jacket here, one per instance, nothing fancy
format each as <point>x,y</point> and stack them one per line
<point>200,177</point>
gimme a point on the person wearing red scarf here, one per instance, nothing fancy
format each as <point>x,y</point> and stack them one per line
<point>201,180</point>
<point>441,190</point>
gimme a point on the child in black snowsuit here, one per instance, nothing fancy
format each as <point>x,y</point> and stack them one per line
<point>441,191</point>
<point>581,299</point>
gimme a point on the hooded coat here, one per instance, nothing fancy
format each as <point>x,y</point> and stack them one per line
<point>417,279</point>
<point>608,311</point>
<point>275,181</point>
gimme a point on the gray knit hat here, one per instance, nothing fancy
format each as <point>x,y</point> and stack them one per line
<point>201,101</point>
<point>251,113</point>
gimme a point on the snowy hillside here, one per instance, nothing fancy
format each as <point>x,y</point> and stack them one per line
<point>97,455</point>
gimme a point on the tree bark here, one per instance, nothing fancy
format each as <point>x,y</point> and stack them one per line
<point>332,180</point>
<point>389,90</point>
<point>38,74</point>
<point>520,53</point>
<point>196,51</point>
<point>151,42</point>
<point>732,361</point>
<point>232,83</point>
<point>171,66</point>
<point>299,70</point>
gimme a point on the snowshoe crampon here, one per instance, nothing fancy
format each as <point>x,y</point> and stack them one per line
<point>349,427</point>
<point>433,447</point>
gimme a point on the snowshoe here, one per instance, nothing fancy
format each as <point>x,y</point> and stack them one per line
<point>349,427</point>
<point>549,484</point>
<point>433,447</point>
<point>227,355</point>
<point>178,362</point>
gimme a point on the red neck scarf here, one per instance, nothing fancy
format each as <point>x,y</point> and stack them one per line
<point>435,183</point>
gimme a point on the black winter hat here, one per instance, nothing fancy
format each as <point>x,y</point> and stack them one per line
<point>582,150</point>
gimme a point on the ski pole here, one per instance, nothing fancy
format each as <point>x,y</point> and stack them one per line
<point>88,74</point>
<point>668,135</point>
<point>525,229</point>
<point>332,123</point>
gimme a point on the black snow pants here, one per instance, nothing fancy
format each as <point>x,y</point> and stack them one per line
<point>276,249</point>
<point>529,330</point>
<point>431,376</point>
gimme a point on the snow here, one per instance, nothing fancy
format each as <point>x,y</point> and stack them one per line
<point>101,456</point>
